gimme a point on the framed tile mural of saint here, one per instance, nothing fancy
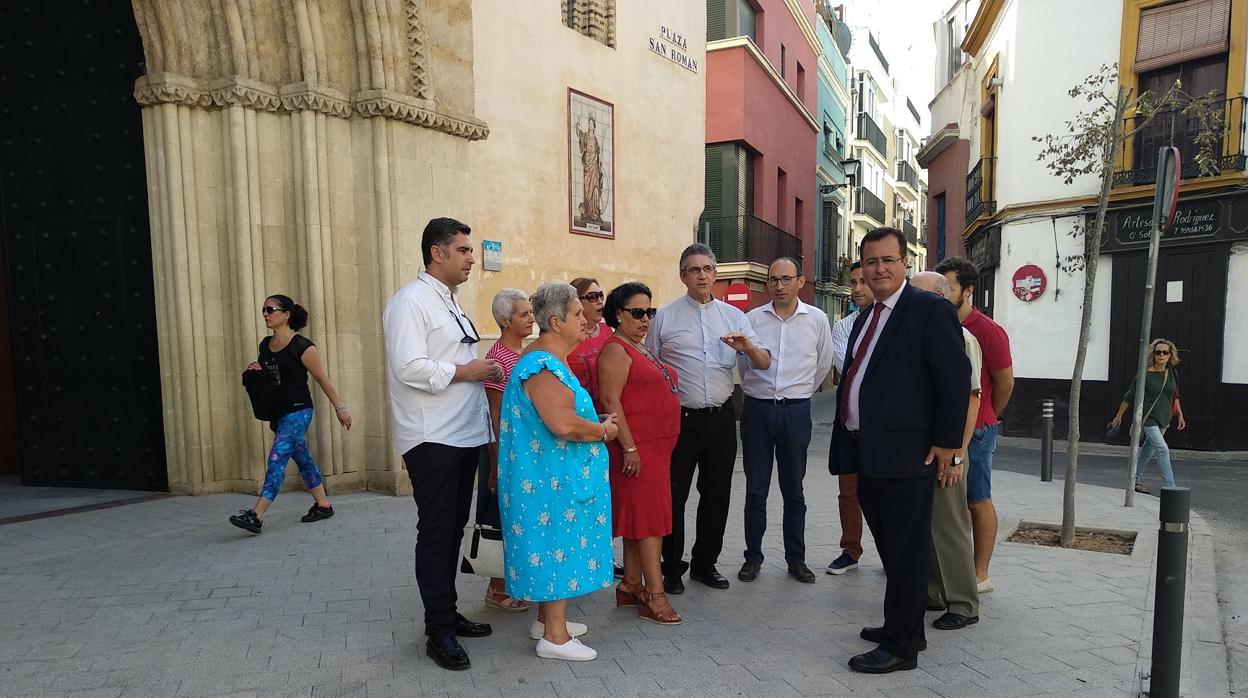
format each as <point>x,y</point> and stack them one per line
<point>591,155</point>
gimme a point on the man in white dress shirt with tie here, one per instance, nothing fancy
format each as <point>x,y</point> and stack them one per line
<point>441,421</point>
<point>776,418</point>
<point>700,337</point>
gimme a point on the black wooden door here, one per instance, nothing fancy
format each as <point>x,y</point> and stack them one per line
<point>1189,309</point>
<point>77,246</point>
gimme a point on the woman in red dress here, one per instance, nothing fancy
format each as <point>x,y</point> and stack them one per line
<point>641,391</point>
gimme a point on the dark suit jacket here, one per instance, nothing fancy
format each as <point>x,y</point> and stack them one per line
<point>914,391</point>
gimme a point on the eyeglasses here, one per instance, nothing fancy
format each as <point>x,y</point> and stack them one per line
<point>639,313</point>
<point>780,280</point>
<point>593,296</point>
<point>707,269</point>
<point>467,338</point>
<point>877,261</point>
<point>1161,352</point>
<point>269,310</point>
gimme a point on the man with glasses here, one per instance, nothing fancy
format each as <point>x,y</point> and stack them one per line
<point>441,422</point>
<point>700,337</point>
<point>902,406</point>
<point>775,420</point>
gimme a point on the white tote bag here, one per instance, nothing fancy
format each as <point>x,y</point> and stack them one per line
<point>482,551</point>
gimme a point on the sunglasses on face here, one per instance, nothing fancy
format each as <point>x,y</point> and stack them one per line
<point>1161,352</point>
<point>269,310</point>
<point>639,313</point>
<point>593,296</point>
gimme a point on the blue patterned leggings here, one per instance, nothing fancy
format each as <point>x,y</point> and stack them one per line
<point>289,442</point>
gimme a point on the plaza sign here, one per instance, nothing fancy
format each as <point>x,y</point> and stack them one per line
<point>673,46</point>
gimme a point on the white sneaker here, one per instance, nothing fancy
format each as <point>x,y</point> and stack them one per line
<point>985,586</point>
<point>537,629</point>
<point>572,651</point>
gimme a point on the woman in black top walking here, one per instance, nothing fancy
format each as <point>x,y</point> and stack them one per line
<point>288,357</point>
<point>1161,394</point>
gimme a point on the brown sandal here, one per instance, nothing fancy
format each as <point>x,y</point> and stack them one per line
<point>663,615</point>
<point>504,602</point>
<point>626,596</point>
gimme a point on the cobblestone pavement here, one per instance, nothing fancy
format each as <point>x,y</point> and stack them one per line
<point>165,598</point>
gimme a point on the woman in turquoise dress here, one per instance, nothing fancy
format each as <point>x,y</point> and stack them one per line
<point>553,485</point>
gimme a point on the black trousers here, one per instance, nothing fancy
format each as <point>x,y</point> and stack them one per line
<point>899,514</point>
<point>442,479</point>
<point>708,444</point>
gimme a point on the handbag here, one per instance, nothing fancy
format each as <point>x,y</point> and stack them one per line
<point>482,551</point>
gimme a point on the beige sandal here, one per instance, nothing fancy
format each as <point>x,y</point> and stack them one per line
<point>504,602</point>
<point>662,614</point>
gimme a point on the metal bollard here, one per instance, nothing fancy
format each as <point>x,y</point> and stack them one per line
<point>1171,587</point>
<point>1046,446</point>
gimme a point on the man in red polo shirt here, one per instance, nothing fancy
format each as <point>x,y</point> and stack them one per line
<point>996,385</point>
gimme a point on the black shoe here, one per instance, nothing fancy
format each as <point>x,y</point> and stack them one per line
<point>749,572</point>
<point>876,635</point>
<point>710,577</point>
<point>878,661</point>
<point>447,653</point>
<point>466,628</point>
<point>619,571</point>
<point>317,513</point>
<point>673,585</point>
<point>802,573</point>
<point>954,621</point>
<point>247,520</point>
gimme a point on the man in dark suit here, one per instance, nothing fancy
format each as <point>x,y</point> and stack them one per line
<point>901,408</point>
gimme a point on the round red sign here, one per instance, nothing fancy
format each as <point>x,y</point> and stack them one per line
<point>738,296</point>
<point>1029,283</point>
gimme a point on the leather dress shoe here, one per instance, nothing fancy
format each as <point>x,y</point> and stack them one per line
<point>954,621</point>
<point>878,661</point>
<point>466,628</point>
<point>801,573</point>
<point>876,635</point>
<point>710,577</point>
<point>673,585</point>
<point>447,653</point>
<point>749,571</point>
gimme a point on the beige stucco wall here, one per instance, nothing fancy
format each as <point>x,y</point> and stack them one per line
<point>524,62</point>
<point>294,148</point>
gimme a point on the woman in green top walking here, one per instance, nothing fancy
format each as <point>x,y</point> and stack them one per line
<point>1161,388</point>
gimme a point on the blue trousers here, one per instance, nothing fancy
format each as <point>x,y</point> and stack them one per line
<point>780,434</point>
<point>1155,447</point>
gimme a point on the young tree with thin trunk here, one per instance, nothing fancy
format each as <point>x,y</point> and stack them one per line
<point>1091,145</point>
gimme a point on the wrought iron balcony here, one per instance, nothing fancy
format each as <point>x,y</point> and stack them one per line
<point>907,175</point>
<point>912,233</point>
<point>1137,164</point>
<point>870,132</point>
<point>868,204</point>
<point>747,239</point>
<point>980,190</point>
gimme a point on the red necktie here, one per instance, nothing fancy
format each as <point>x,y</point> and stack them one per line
<point>843,407</point>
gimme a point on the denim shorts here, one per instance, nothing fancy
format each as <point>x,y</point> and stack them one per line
<point>979,467</point>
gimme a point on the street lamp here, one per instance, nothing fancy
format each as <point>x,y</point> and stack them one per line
<point>850,166</point>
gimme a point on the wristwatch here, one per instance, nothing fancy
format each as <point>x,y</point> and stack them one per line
<point>957,460</point>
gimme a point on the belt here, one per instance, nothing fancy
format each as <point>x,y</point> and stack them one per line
<point>781,401</point>
<point>686,411</point>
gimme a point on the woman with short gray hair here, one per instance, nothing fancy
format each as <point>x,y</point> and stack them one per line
<point>514,316</point>
<point>553,485</point>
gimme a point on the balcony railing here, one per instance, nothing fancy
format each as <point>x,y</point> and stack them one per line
<point>906,174</point>
<point>829,149</point>
<point>980,185</point>
<point>1138,164</point>
<point>912,233</point>
<point>869,204</point>
<point>747,239</point>
<point>868,131</point>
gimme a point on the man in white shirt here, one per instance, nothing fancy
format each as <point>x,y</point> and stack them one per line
<point>441,422</point>
<point>776,416</point>
<point>847,501</point>
<point>700,337</point>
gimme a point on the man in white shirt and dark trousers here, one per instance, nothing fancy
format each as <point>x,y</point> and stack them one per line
<point>441,421</point>
<point>700,337</point>
<point>776,416</point>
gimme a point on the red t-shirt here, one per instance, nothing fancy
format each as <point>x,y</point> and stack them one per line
<point>995,345</point>
<point>506,358</point>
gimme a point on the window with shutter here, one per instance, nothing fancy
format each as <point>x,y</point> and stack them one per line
<point>1181,32</point>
